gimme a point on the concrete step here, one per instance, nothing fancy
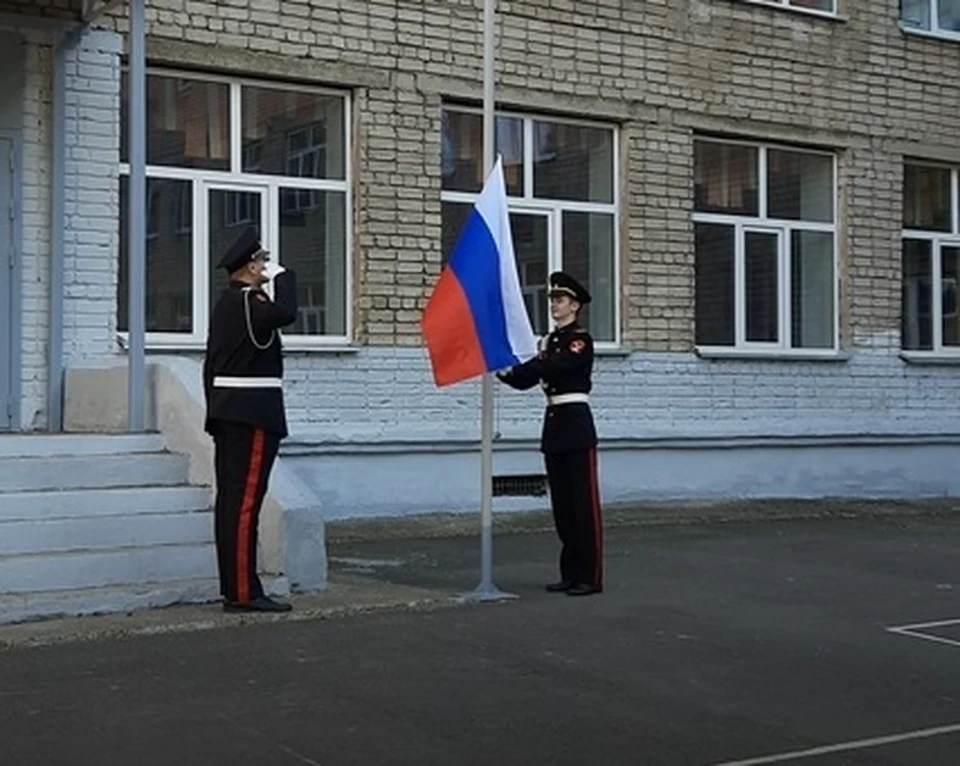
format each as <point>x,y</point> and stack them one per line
<point>91,503</point>
<point>20,474</point>
<point>105,532</point>
<point>85,601</point>
<point>48,445</point>
<point>106,568</point>
<point>76,602</point>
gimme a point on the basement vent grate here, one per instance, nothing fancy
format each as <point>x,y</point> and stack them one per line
<point>522,485</point>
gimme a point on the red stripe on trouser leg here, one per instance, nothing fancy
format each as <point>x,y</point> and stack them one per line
<point>246,517</point>
<point>597,521</point>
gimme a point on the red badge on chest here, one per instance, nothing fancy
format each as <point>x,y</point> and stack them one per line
<point>577,346</point>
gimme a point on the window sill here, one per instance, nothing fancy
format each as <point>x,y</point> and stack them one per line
<point>930,358</point>
<point>944,35</point>
<point>321,347</point>
<point>772,355</point>
<point>290,346</point>
<point>611,350</point>
<point>825,15</point>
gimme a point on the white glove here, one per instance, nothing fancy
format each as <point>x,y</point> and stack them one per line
<point>273,270</point>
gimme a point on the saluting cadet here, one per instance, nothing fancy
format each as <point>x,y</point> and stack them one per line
<point>242,376</point>
<point>569,438</point>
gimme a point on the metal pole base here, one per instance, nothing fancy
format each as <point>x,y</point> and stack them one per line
<point>486,592</point>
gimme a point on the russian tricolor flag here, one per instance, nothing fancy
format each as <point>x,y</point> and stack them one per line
<point>475,321</point>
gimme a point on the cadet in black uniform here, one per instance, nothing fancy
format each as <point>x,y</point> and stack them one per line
<point>242,377</point>
<point>569,438</point>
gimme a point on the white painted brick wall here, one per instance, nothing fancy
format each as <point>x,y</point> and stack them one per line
<point>92,198</point>
<point>92,207</point>
<point>383,393</point>
<point>37,163</point>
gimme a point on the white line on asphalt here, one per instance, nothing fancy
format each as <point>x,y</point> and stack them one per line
<point>914,631</point>
<point>857,744</point>
<point>924,636</point>
<point>918,625</point>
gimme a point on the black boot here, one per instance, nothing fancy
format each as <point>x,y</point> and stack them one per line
<point>559,587</point>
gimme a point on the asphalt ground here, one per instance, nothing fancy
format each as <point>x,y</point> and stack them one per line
<point>715,643</point>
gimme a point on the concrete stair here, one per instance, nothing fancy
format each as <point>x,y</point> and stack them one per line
<point>94,523</point>
<point>85,601</point>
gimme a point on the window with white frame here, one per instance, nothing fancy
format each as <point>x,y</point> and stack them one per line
<point>765,247</point>
<point>562,193</point>
<point>822,6</point>
<point>930,319</point>
<point>940,17</point>
<point>226,153</point>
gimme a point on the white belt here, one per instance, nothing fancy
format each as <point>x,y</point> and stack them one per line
<point>224,381</point>
<point>567,399</point>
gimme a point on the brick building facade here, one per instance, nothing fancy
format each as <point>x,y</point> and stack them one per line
<point>762,193</point>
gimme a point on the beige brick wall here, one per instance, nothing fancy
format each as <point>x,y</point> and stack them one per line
<point>61,9</point>
<point>398,217</point>
<point>658,272</point>
<point>660,68</point>
<point>872,210</point>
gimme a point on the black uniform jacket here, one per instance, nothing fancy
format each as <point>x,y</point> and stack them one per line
<point>564,366</point>
<point>243,343</point>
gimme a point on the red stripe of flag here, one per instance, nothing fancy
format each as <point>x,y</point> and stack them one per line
<point>451,336</point>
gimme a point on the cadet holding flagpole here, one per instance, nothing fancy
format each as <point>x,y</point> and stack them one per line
<point>569,438</point>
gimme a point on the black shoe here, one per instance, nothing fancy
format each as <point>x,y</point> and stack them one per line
<point>583,589</point>
<point>259,604</point>
<point>559,587</point>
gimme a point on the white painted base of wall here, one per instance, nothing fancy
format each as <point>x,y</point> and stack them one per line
<point>373,436</point>
<point>367,480</point>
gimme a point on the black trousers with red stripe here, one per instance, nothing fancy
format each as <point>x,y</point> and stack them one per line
<point>575,497</point>
<point>244,457</point>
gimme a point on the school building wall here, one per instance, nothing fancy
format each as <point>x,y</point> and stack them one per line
<point>662,72</point>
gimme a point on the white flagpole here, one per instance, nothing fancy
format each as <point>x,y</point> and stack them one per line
<point>486,590</point>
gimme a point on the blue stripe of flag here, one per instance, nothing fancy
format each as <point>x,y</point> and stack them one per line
<point>476,264</point>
